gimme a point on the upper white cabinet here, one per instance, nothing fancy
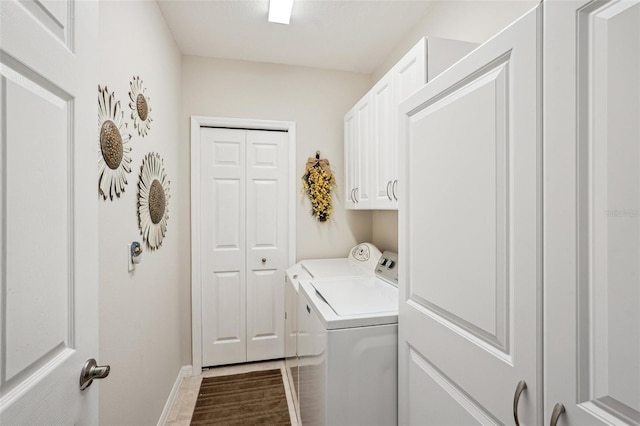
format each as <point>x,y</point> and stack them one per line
<point>371,126</point>
<point>357,135</point>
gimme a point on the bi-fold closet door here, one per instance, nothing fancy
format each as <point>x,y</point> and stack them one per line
<point>244,244</point>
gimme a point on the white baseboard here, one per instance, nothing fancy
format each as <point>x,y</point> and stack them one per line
<point>185,371</point>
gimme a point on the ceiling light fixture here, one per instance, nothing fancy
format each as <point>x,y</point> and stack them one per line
<point>280,11</point>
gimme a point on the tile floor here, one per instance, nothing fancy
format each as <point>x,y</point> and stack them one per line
<point>182,409</point>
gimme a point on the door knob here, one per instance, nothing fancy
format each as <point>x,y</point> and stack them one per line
<point>522,385</point>
<point>91,370</point>
<point>264,260</point>
<point>558,409</point>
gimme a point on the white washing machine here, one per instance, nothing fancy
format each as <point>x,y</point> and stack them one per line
<point>360,262</point>
<point>347,348</point>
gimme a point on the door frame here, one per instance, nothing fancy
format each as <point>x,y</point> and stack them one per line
<point>198,122</point>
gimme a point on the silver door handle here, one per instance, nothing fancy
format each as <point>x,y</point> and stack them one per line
<point>90,371</point>
<point>522,385</point>
<point>353,197</point>
<point>389,195</point>
<point>558,409</point>
<point>355,191</point>
<point>393,189</point>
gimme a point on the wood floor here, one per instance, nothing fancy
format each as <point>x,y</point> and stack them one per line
<point>185,401</point>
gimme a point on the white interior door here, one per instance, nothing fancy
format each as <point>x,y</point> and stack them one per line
<point>223,253</point>
<point>48,211</point>
<point>245,243</point>
<point>267,242</point>
<point>469,318</point>
<point>592,211</point>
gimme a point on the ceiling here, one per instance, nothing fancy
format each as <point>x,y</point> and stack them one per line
<point>347,35</point>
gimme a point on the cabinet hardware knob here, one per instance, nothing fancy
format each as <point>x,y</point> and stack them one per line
<point>389,195</point>
<point>522,385</point>
<point>558,409</point>
<point>393,189</point>
<point>264,260</point>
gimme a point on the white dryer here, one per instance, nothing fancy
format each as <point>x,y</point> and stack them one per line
<point>347,347</point>
<point>360,262</point>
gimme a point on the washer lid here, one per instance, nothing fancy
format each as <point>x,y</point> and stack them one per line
<point>332,268</point>
<point>358,296</point>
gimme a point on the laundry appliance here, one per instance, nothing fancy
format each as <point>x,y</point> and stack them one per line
<point>360,262</point>
<point>347,348</point>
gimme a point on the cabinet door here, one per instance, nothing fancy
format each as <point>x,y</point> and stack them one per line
<point>385,143</point>
<point>409,75</point>
<point>591,215</point>
<point>267,242</point>
<point>350,163</point>
<point>362,154</point>
<point>469,316</point>
<point>223,251</point>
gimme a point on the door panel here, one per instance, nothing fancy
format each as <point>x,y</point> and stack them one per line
<point>455,407</point>
<point>592,224</point>
<point>267,242</point>
<point>48,211</point>
<point>469,228</point>
<point>223,246</point>
<point>385,143</point>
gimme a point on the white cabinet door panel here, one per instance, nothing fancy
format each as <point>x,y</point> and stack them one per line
<point>592,204</point>
<point>469,227</point>
<point>385,144</point>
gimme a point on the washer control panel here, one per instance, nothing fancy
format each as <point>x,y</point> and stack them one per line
<point>387,266</point>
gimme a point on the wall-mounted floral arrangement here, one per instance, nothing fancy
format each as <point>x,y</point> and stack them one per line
<point>318,182</point>
<point>153,200</point>
<point>114,160</point>
<point>140,109</point>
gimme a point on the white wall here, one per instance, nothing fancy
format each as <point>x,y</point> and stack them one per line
<point>140,314</point>
<point>472,21</point>
<point>316,100</point>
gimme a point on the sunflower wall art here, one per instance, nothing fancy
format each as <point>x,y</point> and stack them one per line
<point>153,200</point>
<point>114,160</point>
<point>140,109</point>
<point>318,182</point>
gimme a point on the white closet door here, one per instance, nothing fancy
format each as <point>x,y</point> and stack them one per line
<point>223,248</point>
<point>592,211</point>
<point>267,242</point>
<point>469,318</point>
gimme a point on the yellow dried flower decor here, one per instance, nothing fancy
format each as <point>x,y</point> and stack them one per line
<point>318,182</point>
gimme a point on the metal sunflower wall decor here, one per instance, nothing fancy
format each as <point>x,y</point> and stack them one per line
<point>153,200</point>
<point>114,159</point>
<point>140,109</point>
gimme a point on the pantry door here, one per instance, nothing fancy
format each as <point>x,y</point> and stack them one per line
<point>48,211</point>
<point>245,218</point>
<point>592,212</point>
<point>470,212</point>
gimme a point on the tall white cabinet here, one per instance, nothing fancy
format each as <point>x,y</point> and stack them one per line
<point>244,243</point>
<point>371,126</point>
<point>519,226</point>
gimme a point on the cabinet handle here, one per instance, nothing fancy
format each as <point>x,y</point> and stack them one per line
<point>355,196</point>
<point>389,195</point>
<point>393,189</point>
<point>522,385</point>
<point>558,409</point>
